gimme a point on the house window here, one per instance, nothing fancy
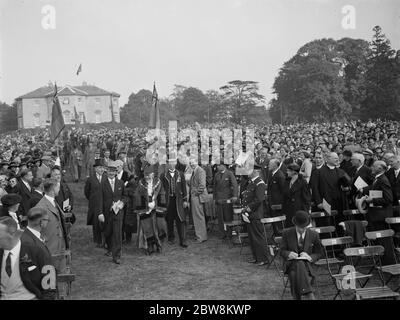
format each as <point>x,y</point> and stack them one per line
<point>66,101</point>
<point>36,119</point>
<point>67,116</point>
<point>79,99</point>
<point>36,103</point>
<point>97,116</point>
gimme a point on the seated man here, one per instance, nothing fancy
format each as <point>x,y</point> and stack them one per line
<point>300,248</point>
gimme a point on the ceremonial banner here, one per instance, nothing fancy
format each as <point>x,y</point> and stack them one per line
<point>57,120</point>
<point>154,122</point>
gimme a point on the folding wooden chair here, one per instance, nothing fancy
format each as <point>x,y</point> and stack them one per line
<point>392,270</point>
<point>315,216</point>
<point>279,263</point>
<point>64,278</point>
<point>270,240</point>
<point>392,224</point>
<point>396,211</point>
<point>353,214</point>
<point>233,226</point>
<point>378,292</point>
<point>329,251</point>
<point>329,230</point>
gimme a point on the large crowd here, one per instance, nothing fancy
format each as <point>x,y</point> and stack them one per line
<point>298,169</point>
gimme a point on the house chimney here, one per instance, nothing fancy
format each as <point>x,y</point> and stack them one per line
<point>50,84</point>
<point>84,83</point>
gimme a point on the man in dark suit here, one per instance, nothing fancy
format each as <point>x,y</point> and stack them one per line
<point>360,170</point>
<point>275,187</point>
<point>346,164</point>
<point>64,194</point>
<point>394,178</point>
<point>329,184</point>
<point>37,193</point>
<point>380,208</point>
<point>176,201</point>
<point>94,194</point>
<point>25,191</point>
<point>300,248</point>
<point>225,188</point>
<point>30,277</point>
<point>263,162</point>
<point>112,213</point>
<point>253,199</point>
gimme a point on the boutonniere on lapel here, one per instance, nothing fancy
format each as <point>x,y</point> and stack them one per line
<point>178,179</point>
<point>25,260</point>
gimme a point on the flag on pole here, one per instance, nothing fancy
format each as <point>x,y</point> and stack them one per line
<point>154,121</point>
<point>79,69</point>
<point>77,120</point>
<point>57,120</point>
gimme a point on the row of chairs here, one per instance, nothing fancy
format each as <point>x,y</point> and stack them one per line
<point>351,263</point>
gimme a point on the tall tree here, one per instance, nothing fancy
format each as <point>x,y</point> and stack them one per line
<point>241,97</point>
<point>192,106</point>
<point>8,117</point>
<point>382,98</point>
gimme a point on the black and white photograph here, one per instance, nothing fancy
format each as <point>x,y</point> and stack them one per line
<point>205,153</point>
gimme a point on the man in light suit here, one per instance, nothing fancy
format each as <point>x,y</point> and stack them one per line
<point>198,195</point>
<point>55,232</point>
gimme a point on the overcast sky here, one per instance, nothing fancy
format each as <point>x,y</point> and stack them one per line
<point>125,45</point>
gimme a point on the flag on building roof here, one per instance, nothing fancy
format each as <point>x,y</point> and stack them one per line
<point>79,69</point>
<point>154,121</point>
<point>57,120</point>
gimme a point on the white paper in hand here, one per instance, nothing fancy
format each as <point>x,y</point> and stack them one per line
<point>360,183</point>
<point>245,218</point>
<point>375,194</point>
<point>326,206</point>
<point>65,204</point>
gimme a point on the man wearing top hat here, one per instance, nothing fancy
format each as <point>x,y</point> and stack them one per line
<point>112,214</point>
<point>176,201</point>
<point>253,198</point>
<point>94,194</point>
<point>300,247</point>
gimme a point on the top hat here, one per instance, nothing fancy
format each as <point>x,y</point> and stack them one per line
<point>301,219</point>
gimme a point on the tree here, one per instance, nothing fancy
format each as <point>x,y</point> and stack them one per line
<point>382,79</point>
<point>8,117</point>
<point>137,111</point>
<point>313,84</point>
<point>192,106</point>
<point>240,98</point>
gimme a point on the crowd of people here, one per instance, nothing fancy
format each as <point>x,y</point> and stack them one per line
<point>298,169</point>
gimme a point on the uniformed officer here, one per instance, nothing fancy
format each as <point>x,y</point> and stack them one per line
<point>253,200</point>
<point>225,191</point>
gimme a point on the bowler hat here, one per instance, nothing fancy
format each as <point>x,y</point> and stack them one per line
<point>301,219</point>
<point>10,199</point>
<point>98,163</point>
<point>294,167</point>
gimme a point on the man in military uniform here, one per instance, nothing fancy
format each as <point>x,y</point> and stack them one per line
<point>253,199</point>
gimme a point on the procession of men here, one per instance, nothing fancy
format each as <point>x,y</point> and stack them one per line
<point>135,201</point>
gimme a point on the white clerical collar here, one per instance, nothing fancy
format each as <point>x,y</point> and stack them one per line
<point>330,167</point>
<point>319,167</point>
<point>35,232</point>
<point>14,251</point>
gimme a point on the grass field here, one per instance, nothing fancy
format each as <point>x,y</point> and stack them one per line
<point>211,270</point>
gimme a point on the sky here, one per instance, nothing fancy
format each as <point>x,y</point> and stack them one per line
<point>126,45</point>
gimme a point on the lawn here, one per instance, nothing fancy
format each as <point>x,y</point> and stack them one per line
<point>211,270</point>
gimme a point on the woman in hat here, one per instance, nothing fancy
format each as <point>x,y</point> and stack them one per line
<point>297,194</point>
